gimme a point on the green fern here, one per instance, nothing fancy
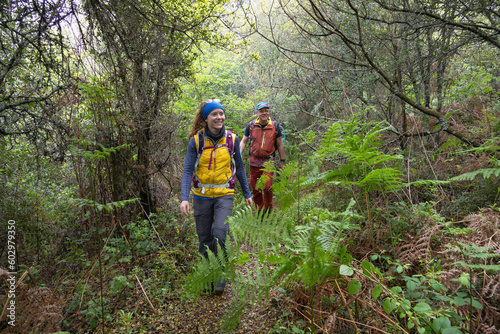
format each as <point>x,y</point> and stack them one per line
<point>486,173</point>
<point>387,178</point>
<point>81,202</point>
<point>420,183</point>
<point>358,143</point>
<point>209,270</point>
<point>98,154</point>
<point>282,254</point>
<point>477,252</point>
<point>258,232</point>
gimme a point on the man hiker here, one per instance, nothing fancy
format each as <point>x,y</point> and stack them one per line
<point>265,137</point>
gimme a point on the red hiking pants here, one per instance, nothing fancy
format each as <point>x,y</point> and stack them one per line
<point>263,198</point>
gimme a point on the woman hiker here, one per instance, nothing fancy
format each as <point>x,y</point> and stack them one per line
<point>212,167</point>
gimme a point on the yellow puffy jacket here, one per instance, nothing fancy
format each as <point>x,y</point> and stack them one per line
<point>214,170</point>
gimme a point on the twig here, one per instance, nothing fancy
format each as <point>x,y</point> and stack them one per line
<point>362,324</point>
<point>381,313</point>
<point>347,306</point>
<point>128,241</point>
<point>310,320</point>
<point>89,271</point>
<point>152,225</point>
<point>33,279</point>
<point>145,294</point>
<point>4,312</point>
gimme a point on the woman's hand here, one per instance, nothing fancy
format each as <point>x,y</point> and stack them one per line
<point>249,201</point>
<point>185,208</point>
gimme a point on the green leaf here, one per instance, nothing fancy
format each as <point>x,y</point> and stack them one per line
<point>452,330</point>
<point>262,257</point>
<point>406,305</point>
<point>412,285</point>
<point>367,267</point>
<point>441,323</point>
<point>272,259</point>
<point>389,305</point>
<point>459,301</point>
<point>464,279</point>
<point>396,289</point>
<point>474,303</point>
<point>422,307</point>
<point>125,259</point>
<point>345,270</point>
<point>438,287</point>
<point>377,290</point>
<point>354,287</point>
<point>243,258</point>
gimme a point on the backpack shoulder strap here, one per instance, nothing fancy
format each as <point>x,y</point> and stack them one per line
<point>200,142</point>
<point>252,125</point>
<point>276,125</point>
<point>230,139</point>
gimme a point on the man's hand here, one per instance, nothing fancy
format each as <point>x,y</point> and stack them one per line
<point>249,201</point>
<point>185,208</point>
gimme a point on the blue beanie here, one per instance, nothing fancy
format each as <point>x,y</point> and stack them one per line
<point>209,107</point>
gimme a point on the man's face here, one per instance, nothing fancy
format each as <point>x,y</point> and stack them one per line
<point>263,115</point>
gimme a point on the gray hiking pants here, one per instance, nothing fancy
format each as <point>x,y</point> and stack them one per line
<point>210,216</point>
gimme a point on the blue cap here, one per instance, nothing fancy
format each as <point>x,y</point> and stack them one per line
<point>261,105</point>
<point>209,107</point>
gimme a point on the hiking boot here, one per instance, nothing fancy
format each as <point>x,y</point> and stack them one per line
<point>219,287</point>
<point>209,288</point>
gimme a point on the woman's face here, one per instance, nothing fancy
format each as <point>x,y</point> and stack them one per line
<point>215,120</point>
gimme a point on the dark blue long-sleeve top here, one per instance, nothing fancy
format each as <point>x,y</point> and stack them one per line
<point>190,160</point>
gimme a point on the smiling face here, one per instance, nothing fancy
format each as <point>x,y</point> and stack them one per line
<point>215,120</point>
<point>263,115</point>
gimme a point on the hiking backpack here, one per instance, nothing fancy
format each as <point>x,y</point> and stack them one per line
<point>276,127</point>
<point>230,139</point>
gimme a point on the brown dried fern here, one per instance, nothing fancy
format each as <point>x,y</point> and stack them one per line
<point>417,249</point>
<point>36,308</point>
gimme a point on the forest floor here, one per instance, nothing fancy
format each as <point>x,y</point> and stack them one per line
<point>205,316</point>
<point>42,310</point>
<point>175,315</point>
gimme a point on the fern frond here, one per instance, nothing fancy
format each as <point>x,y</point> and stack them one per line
<point>331,231</point>
<point>238,303</point>
<point>258,231</point>
<point>486,173</point>
<point>388,178</point>
<point>209,270</point>
<point>420,183</point>
<point>108,206</point>
<point>483,267</point>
